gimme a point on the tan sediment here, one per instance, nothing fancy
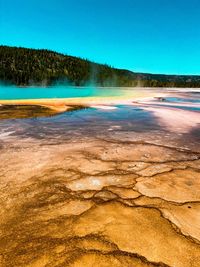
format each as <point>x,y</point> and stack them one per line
<point>92,202</point>
<point>177,185</point>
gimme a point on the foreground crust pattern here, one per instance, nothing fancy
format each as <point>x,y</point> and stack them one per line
<point>95,202</point>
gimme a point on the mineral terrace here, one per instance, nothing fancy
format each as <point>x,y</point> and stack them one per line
<point>98,201</point>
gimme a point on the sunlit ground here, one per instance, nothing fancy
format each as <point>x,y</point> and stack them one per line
<point>111,183</point>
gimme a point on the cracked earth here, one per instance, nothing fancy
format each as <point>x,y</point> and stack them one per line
<point>98,202</point>
<point>95,188</point>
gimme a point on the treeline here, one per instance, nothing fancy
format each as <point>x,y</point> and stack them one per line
<point>23,66</point>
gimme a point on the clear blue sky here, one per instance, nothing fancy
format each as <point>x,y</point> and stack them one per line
<point>157,36</point>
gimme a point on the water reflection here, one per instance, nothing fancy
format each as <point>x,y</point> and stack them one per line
<point>176,117</point>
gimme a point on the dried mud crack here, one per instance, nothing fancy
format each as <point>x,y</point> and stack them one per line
<point>92,202</point>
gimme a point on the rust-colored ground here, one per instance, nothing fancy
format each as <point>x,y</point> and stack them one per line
<point>98,202</point>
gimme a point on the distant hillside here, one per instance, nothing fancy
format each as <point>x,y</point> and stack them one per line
<point>23,66</point>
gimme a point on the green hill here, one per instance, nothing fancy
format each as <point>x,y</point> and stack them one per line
<point>23,66</point>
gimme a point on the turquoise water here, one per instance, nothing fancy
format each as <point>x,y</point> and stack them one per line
<point>125,119</point>
<point>13,92</point>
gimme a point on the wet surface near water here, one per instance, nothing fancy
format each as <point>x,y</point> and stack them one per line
<point>96,187</point>
<point>122,118</point>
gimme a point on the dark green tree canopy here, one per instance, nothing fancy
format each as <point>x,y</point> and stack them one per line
<point>23,66</point>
